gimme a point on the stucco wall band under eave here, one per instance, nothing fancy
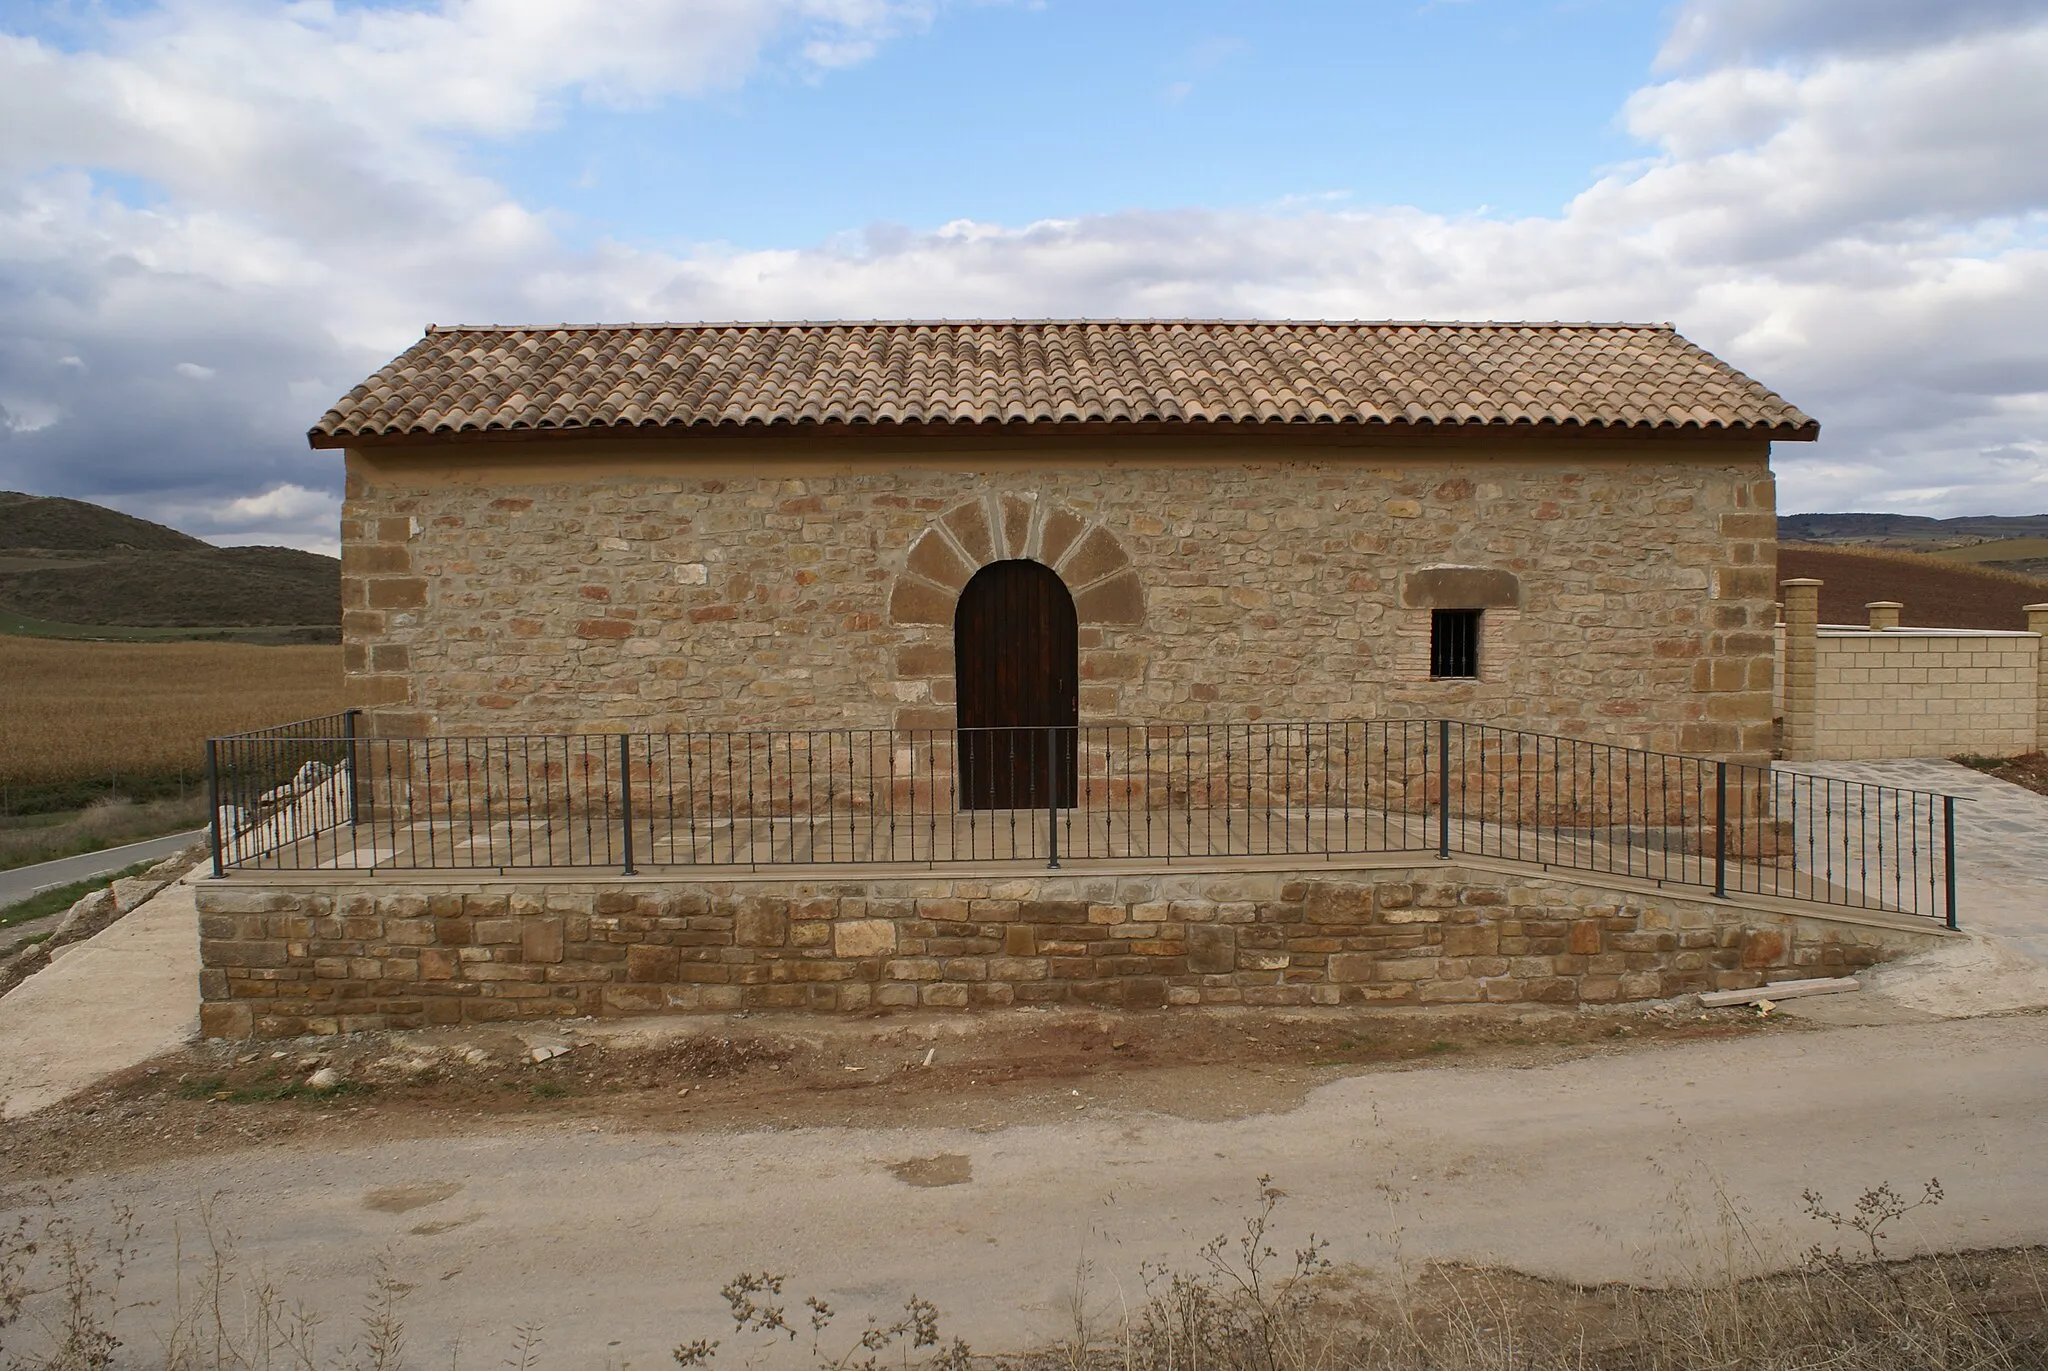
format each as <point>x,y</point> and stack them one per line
<point>570,585</point>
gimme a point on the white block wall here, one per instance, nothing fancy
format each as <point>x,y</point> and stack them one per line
<point>1924,693</point>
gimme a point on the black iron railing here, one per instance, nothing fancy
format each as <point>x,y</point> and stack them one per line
<point>315,795</point>
<point>276,780</point>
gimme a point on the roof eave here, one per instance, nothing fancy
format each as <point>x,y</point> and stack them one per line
<point>1806,431</point>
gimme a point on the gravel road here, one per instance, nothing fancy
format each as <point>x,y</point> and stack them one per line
<point>1599,1169</point>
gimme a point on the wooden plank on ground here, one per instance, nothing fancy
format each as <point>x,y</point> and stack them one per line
<point>1783,990</point>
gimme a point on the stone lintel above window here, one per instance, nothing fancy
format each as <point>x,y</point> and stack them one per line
<point>1460,587</point>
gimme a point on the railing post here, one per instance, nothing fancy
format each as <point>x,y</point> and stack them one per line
<point>367,802</point>
<point>348,731</point>
<point>1948,848</point>
<point>213,804</point>
<point>1720,830</point>
<point>1443,790</point>
<point>626,796</point>
<point>1052,797</point>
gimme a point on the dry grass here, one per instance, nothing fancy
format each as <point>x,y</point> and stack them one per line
<point>103,824</point>
<point>1246,1306</point>
<point>93,709</point>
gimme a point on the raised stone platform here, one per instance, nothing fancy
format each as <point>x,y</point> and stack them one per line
<point>328,951</point>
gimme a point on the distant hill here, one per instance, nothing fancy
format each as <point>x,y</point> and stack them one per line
<point>52,523</point>
<point>1908,529</point>
<point>67,563</point>
<point>2005,542</point>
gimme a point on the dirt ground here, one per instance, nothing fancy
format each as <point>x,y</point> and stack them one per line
<point>767,1071</point>
<point>2029,770</point>
<point>1036,1160</point>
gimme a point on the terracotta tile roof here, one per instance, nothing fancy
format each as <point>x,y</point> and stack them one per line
<point>668,376</point>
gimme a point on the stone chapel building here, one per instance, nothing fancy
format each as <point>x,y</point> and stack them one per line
<point>1567,528</point>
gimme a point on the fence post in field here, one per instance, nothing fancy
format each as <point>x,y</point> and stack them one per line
<point>1802,624</point>
<point>2037,622</point>
<point>213,804</point>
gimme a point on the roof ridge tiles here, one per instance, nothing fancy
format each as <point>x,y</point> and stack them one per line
<point>1159,321</point>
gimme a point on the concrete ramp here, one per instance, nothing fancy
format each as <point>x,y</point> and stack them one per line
<point>108,1003</point>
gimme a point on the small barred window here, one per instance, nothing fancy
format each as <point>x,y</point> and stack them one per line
<point>1454,643</point>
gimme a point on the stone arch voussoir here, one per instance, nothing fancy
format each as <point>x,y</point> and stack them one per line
<point>997,527</point>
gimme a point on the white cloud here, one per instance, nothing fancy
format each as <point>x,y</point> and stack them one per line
<point>285,113</point>
<point>194,371</point>
<point>309,207</point>
<point>27,414</point>
<point>1759,30</point>
<point>1863,226</point>
<point>279,503</point>
<point>1766,160</point>
<point>285,515</point>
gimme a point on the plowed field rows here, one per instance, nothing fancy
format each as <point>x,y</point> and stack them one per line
<point>1937,594</point>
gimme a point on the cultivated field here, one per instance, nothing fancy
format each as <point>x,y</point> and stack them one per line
<point>1937,593</point>
<point>75,709</point>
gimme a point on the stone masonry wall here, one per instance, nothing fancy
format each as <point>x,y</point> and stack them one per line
<point>638,587</point>
<point>285,959</point>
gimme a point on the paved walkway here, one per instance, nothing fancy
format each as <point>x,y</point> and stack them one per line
<point>105,1004</point>
<point>2001,895</point>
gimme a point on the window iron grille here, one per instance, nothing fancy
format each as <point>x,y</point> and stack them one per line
<point>1454,643</point>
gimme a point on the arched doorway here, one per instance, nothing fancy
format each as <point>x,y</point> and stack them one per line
<point>1016,664</point>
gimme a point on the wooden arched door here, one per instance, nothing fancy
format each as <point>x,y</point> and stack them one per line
<point>1016,662</point>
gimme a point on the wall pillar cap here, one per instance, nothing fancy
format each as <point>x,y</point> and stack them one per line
<point>1884,604</point>
<point>2034,609</point>
<point>1802,581</point>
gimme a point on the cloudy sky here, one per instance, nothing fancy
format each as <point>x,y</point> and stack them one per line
<point>217,215</point>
